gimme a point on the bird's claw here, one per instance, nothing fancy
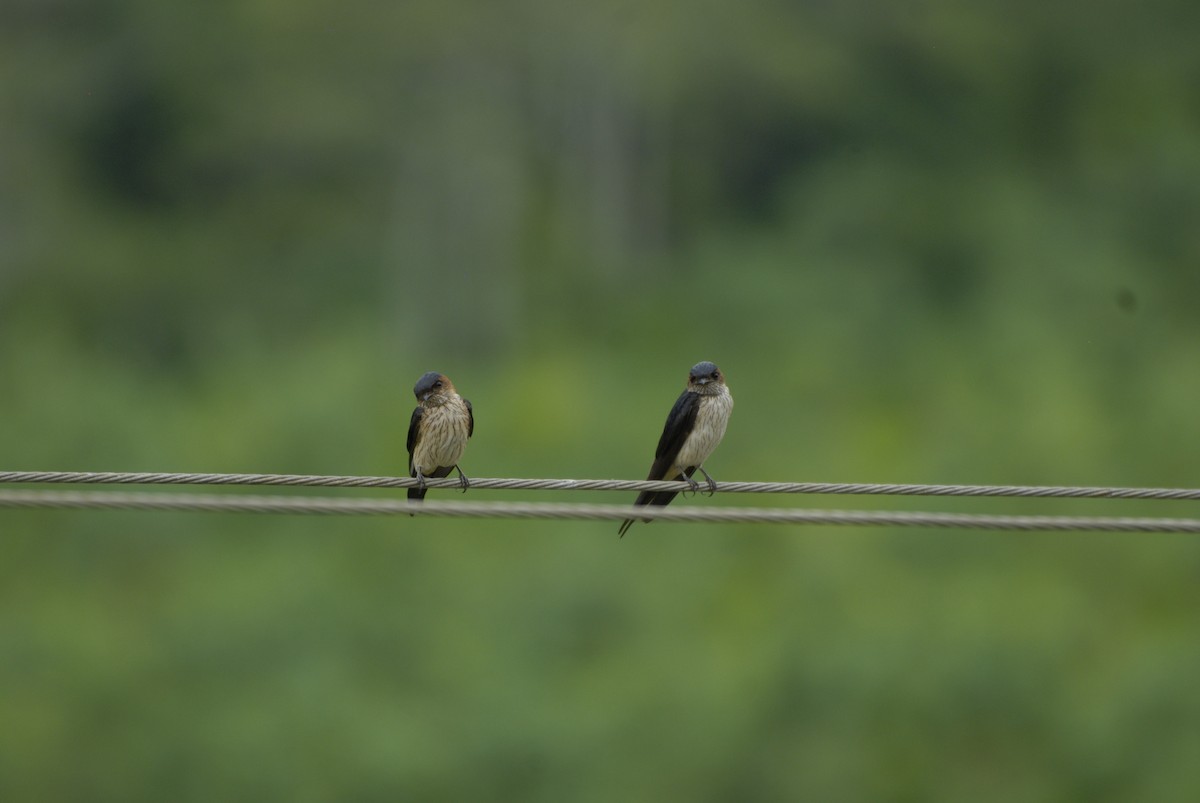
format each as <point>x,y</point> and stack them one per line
<point>712,486</point>
<point>463,482</point>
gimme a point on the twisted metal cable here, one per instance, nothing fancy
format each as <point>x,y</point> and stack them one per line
<point>141,478</point>
<point>112,500</point>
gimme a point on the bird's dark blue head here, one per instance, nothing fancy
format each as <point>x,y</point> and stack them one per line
<point>430,383</point>
<point>703,373</point>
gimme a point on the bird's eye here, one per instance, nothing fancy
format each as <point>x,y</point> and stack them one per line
<point>437,384</point>
<point>716,374</point>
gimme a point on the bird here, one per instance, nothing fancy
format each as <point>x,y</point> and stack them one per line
<point>438,432</point>
<point>694,427</point>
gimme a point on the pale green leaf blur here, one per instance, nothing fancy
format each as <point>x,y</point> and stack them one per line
<point>933,242</point>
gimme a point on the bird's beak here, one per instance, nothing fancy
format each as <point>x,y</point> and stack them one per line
<point>425,396</point>
<point>704,380</point>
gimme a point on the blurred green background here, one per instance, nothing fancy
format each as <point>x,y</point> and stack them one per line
<point>927,242</point>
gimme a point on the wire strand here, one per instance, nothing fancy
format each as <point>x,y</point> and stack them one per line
<point>113,500</point>
<point>143,478</point>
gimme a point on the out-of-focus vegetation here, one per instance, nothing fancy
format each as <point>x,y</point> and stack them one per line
<point>927,242</point>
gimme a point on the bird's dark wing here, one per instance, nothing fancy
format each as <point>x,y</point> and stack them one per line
<point>414,428</point>
<point>470,418</point>
<point>680,422</point>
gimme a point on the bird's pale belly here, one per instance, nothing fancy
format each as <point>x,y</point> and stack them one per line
<point>443,439</point>
<point>711,419</point>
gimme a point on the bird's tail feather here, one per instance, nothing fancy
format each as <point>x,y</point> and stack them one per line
<point>658,498</point>
<point>438,473</point>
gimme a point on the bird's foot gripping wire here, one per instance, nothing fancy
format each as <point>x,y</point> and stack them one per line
<point>712,485</point>
<point>693,486</point>
<point>463,482</point>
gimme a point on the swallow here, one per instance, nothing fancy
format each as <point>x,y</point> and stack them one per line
<point>694,427</point>
<point>438,432</point>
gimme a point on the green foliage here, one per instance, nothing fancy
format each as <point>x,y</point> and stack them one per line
<point>926,243</point>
